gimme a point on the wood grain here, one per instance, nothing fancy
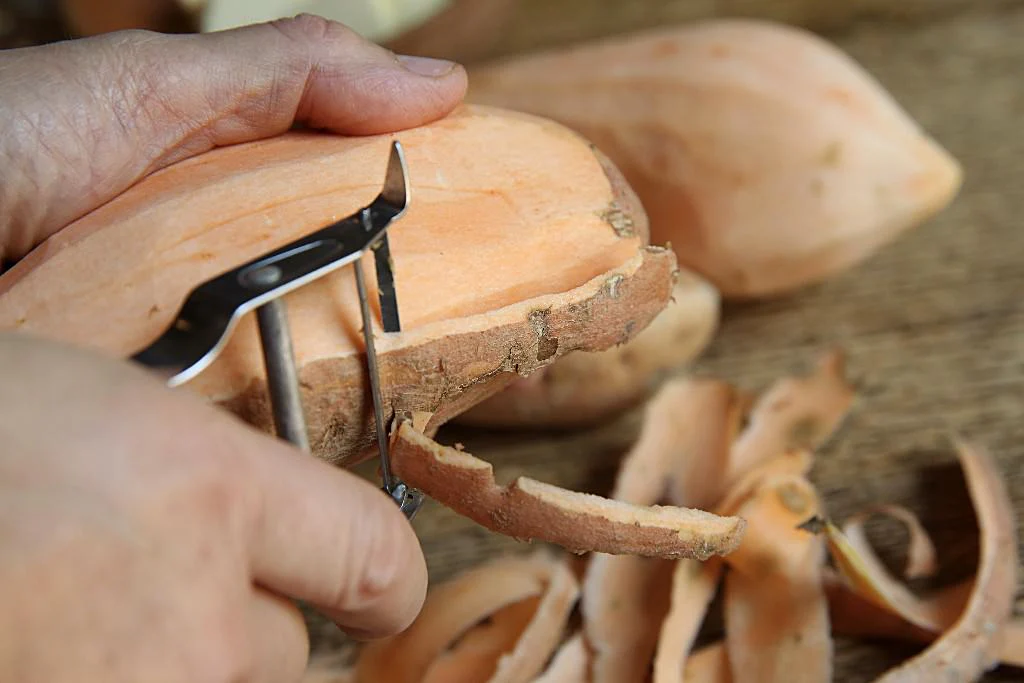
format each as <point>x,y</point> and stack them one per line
<point>933,325</point>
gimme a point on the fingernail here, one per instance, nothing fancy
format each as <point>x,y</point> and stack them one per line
<point>427,66</point>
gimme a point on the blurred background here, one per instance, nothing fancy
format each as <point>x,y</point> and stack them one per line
<point>472,29</point>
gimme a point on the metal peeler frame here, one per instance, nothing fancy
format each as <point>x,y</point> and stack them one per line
<point>212,310</point>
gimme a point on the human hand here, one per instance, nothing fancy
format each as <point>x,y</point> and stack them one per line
<point>144,535</point>
<point>81,121</point>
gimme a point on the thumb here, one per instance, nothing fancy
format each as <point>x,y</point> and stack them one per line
<point>327,76</point>
<point>331,539</point>
<point>259,80</point>
<point>148,100</point>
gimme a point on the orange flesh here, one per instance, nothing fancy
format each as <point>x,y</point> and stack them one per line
<point>504,208</point>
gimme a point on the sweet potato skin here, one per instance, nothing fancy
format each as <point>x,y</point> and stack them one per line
<point>529,510</point>
<point>582,389</point>
<point>444,376</point>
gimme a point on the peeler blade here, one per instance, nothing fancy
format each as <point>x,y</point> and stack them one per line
<point>396,192</point>
<point>210,311</point>
<point>396,179</point>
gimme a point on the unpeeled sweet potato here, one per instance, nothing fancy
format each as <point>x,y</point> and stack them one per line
<point>521,243</point>
<point>582,389</point>
<point>767,157</point>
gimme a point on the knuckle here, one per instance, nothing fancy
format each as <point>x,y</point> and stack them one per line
<point>304,27</point>
<point>383,569</point>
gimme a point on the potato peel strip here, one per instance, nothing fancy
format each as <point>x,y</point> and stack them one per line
<point>776,613</point>
<point>682,452</point>
<point>569,664</point>
<point>709,664</point>
<point>578,522</point>
<point>921,561</point>
<point>694,585</point>
<point>972,646</point>
<point>868,578</point>
<point>794,413</point>
<point>451,609</point>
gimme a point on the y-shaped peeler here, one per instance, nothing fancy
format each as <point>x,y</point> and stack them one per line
<point>211,311</point>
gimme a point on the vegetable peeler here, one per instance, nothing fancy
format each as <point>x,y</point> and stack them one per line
<point>212,310</point>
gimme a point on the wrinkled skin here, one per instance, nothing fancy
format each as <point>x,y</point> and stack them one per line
<point>145,535</point>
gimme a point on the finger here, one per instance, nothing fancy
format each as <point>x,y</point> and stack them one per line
<point>91,117</point>
<point>278,639</point>
<point>261,79</point>
<point>322,535</point>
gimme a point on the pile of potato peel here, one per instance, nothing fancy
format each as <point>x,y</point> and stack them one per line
<point>796,579</point>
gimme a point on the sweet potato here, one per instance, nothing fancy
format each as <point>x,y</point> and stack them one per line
<point>521,244</point>
<point>582,389</point>
<point>767,157</point>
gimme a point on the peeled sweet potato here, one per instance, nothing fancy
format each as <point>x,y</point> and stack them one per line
<point>765,156</point>
<point>521,243</point>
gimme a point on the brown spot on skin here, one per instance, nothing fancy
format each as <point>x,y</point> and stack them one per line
<point>20,321</point>
<point>620,221</point>
<point>546,348</point>
<point>720,51</point>
<point>832,154</point>
<point>154,309</point>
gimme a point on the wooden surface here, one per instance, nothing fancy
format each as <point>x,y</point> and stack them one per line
<point>933,325</point>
